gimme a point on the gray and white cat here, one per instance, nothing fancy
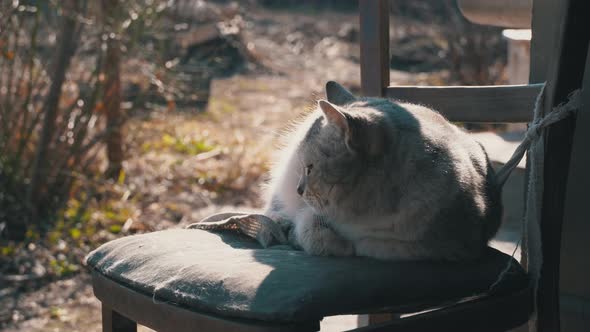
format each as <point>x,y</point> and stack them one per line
<point>376,178</point>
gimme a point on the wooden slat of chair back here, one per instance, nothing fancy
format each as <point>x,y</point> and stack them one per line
<point>374,42</point>
<point>496,103</point>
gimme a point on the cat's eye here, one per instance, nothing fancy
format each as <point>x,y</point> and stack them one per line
<point>308,169</point>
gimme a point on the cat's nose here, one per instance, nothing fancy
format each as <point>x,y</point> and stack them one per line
<point>300,189</point>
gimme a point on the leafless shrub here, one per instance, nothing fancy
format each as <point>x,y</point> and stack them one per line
<point>49,134</point>
<point>59,100</point>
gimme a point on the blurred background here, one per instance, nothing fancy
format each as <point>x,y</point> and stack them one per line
<point>121,117</point>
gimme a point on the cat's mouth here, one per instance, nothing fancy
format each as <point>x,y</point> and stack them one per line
<point>308,201</point>
<point>315,202</point>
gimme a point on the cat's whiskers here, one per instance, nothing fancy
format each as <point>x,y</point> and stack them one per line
<point>319,203</point>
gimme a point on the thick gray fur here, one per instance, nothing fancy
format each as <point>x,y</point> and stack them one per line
<point>373,177</point>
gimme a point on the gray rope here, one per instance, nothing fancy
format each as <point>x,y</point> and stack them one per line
<point>536,128</point>
<point>534,132</point>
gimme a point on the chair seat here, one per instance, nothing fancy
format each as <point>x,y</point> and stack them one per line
<point>230,275</point>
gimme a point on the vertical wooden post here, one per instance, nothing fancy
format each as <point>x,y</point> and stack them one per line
<point>113,321</point>
<point>559,46</point>
<point>374,40</point>
<point>574,269</point>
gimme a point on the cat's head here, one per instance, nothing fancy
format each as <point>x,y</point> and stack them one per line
<point>340,147</point>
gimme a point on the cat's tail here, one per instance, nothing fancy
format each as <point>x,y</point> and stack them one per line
<point>257,226</point>
<point>221,216</point>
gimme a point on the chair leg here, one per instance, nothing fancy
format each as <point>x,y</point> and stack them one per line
<point>113,321</point>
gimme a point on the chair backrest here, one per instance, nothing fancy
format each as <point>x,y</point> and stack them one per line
<point>506,103</point>
<point>559,49</point>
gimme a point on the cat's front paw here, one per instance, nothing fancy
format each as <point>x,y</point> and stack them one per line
<point>348,249</point>
<point>324,242</point>
<point>341,248</point>
<point>330,249</point>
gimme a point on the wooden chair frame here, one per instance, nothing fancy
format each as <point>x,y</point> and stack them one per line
<point>556,59</point>
<point>559,47</point>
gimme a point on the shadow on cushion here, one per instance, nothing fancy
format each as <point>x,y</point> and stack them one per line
<point>231,275</point>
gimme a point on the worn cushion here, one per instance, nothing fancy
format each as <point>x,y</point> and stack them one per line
<point>231,275</point>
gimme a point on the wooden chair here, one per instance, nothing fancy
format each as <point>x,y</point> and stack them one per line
<point>559,47</point>
<point>557,58</point>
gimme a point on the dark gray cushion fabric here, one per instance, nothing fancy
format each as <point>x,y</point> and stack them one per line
<point>231,275</point>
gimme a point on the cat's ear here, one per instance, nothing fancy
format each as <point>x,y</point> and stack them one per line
<point>337,94</point>
<point>361,135</point>
<point>334,115</point>
<point>337,118</point>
